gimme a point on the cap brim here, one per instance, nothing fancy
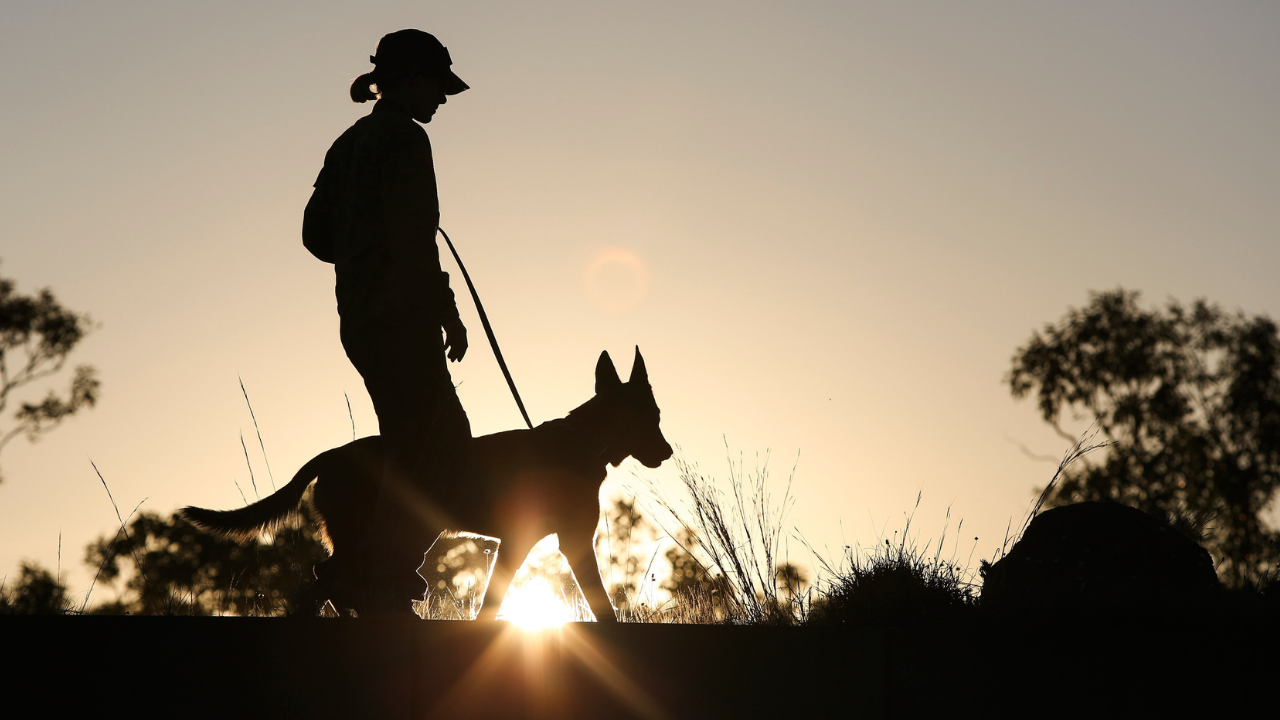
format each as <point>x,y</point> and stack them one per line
<point>452,83</point>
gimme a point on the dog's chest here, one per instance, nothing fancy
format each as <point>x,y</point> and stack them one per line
<point>540,498</point>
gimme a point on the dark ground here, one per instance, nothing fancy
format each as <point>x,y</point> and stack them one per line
<point>315,668</point>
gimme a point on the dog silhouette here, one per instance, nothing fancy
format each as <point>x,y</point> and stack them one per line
<point>524,485</point>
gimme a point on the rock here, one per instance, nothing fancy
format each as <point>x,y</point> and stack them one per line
<point>1099,556</point>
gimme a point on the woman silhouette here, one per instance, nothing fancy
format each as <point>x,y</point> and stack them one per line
<point>374,214</point>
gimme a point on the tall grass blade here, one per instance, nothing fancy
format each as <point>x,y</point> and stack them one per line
<point>261,444</point>
<point>246,462</point>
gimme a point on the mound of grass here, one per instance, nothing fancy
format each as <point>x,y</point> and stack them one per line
<point>893,584</point>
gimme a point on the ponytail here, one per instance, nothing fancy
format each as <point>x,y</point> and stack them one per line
<point>387,74</point>
<point>362,88</point>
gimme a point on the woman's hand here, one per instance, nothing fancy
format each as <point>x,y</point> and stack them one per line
<point>455,339</point>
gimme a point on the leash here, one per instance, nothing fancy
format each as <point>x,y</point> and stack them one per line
<point>488,329</point>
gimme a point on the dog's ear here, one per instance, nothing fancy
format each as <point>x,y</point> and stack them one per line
<point>606,374</point>
<point>638,372</point>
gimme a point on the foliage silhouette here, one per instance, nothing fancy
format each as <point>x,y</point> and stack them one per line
<point>456,569</point>
<point>791,580</point>
<point>172,567</point>
<point>619,551</point>
<point>1188,399</point>
<point>36,592</point>
<point>692,584</point>
<point>36,335</point>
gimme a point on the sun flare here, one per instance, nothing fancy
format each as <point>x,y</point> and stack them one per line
<point>536,606</point>
<point>544,593</point>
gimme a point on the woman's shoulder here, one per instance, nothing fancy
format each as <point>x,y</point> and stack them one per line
<point>400,137</point>
<point>384,124</point>
<point>380,138</point>
<point>400,128</point>
<point>351,136</point>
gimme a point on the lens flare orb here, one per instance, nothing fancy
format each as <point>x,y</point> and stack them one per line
<point>616,280</point>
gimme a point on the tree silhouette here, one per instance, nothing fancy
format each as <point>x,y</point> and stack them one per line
<point>36,336</point>
<point>36,592</point>
<point>706,596</point>
<point>791,580</point>
<point>620,552</point>
<point>455,570</point>
<point>170,566</point>
<point>1189,399</point>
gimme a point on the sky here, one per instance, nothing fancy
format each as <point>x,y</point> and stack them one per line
<point>828,227</point>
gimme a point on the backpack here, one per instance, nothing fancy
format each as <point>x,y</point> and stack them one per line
<point>317,224</point>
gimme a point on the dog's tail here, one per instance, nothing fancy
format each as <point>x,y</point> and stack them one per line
<point>266,515</point>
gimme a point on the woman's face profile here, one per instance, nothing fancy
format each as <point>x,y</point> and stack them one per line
<point>421,95</point>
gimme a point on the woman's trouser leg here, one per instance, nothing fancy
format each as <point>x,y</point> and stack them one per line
<point>425,435</point>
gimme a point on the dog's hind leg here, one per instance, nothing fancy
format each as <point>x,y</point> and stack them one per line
<point>317,596</point>
<point>504,570</point>
<point>320,592</point>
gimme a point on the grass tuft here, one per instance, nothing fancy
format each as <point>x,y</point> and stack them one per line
<point>732,538</point>
<point>895,582</point>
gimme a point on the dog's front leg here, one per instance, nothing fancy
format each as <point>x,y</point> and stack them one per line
<point>582,555</point>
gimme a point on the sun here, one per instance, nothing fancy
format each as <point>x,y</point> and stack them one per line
<point>535,606</point>
<point>544,593</point>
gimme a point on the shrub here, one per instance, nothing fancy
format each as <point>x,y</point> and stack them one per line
<point>36,592</point>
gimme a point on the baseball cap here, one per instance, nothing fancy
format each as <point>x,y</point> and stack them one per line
<point>415,47</point>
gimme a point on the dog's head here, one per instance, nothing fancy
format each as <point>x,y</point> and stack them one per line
<point>628,415</point>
